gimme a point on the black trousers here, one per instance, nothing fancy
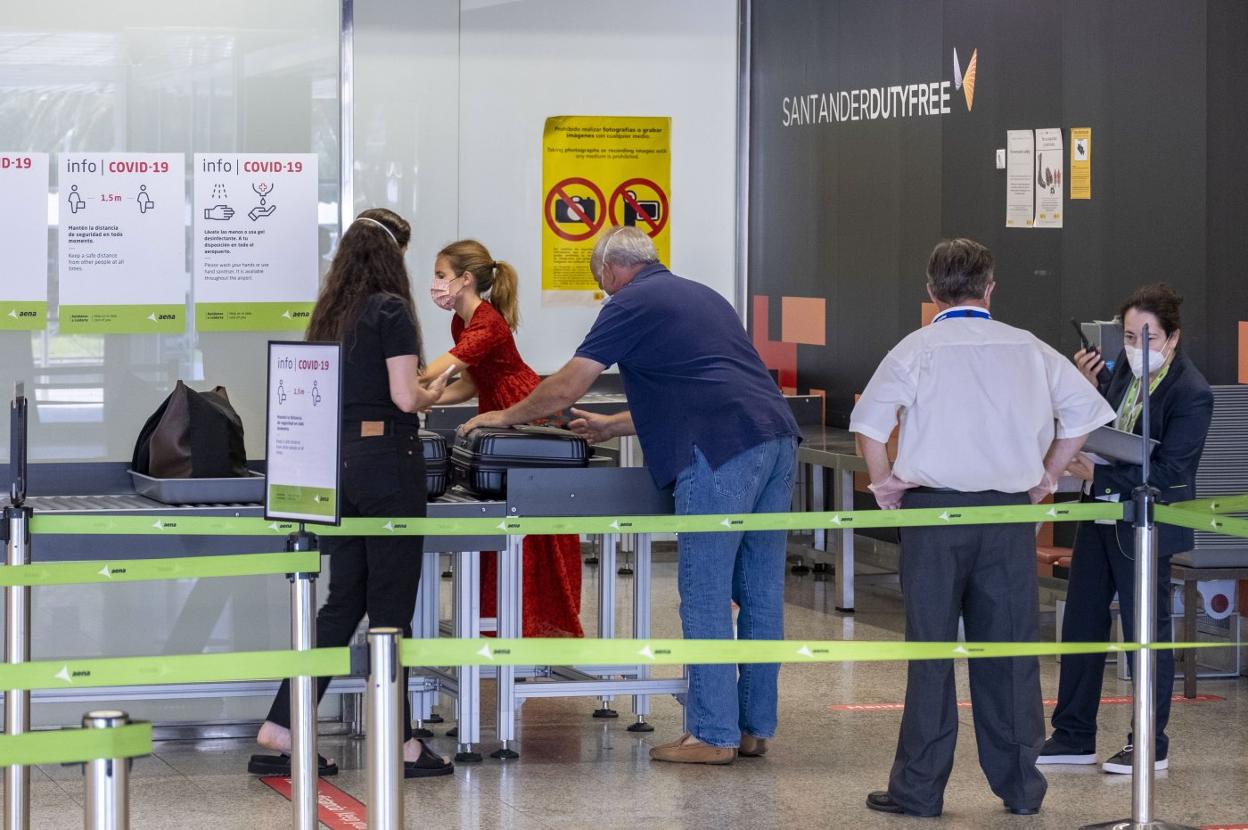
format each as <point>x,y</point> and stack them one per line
<point>1104,563</point>
<point>374,575</point>
<point>985,574</point>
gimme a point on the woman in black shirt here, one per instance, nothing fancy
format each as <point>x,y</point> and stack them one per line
<point>366,305</point>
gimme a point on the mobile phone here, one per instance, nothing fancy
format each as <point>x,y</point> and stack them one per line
<point>1083,338</point>
<point>1102,376</point>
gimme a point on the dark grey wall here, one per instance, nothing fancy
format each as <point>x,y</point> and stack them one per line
<point>850,211</point>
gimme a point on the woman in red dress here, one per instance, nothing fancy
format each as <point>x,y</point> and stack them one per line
<point>482,293</point>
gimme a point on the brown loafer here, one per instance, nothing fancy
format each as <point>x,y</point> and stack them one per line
<point>752,747</point>
<point>689,750</point>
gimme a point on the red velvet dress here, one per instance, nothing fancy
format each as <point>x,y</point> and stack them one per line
<point>552,564</point>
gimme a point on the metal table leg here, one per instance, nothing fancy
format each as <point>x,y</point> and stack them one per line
<point>818,501</point>
<point>641,627</point>
<point>844,499</point>
<point>1189,636</point>
<point>510,625</point>
<point>466,620</point>
<point>606,606</point>
<point>425,626</point>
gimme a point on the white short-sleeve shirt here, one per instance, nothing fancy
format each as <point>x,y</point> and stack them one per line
<point>979,403</point>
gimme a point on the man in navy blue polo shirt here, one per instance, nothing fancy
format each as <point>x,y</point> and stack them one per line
<point>711,420</point>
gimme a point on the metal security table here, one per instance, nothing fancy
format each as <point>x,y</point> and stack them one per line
<point>829,453</point>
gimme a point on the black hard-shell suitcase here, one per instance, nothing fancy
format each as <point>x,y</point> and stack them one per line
<point>480,460</point>
<point>433,447</point>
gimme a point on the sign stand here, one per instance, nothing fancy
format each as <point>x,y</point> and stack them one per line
<point>1144,499</point>
<point>302,453</point>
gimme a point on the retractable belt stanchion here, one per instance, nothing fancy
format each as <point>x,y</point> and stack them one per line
<point>384,704</point>
<point>1144,499</point>
<point>16,534</point>
<point>108,780</point>
<point>304,765</point>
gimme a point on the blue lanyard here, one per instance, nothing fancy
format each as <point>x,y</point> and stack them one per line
<point>962,312</point>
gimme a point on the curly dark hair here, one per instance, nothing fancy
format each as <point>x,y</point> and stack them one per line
<point>368,261</point>
<point>1158,299</point>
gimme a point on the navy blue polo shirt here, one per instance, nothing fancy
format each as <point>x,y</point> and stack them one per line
<point>691,374</point>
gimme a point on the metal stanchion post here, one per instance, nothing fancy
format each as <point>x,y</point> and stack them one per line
<point>108,780</point>
<point>304,766</point>
<point>384,702</point>
<point>15,531</point>
<point>17,650</point>
<point>1144,676</point>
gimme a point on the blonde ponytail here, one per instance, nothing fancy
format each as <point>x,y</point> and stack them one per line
<point>504,294</point>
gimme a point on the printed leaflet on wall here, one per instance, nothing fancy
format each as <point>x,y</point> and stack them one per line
<point>1020,178</point>
<point>1081,163</point>
<point>255,241</point>
<point>1049,174</point>
<point>599,171</point>
<point>24,240</point>
<point>122,240</point>
<point>302,432</point>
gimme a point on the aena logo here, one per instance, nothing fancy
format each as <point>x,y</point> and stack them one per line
<point>966,82</point>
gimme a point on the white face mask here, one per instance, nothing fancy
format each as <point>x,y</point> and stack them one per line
<point>1135,358</point>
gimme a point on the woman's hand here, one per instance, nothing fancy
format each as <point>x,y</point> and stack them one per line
<point>437,386</point>
<point>1081,467</point>
<point>1089,363</point>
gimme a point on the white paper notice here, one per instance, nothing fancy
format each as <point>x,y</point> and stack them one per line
<point>122,235</point>
<point>1020,180</point>
<point>302,432</point>
<point>1050,176</point>
<point>24,240</point>
<point>256,242</point>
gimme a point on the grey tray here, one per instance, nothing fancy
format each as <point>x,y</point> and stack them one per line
<point>1116,445</point>
<point>241,490</point>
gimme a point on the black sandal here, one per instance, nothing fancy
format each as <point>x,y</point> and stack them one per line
<point>279,765</point>
<point>428,765</point>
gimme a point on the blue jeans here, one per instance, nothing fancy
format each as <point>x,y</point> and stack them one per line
<point>717,569</point>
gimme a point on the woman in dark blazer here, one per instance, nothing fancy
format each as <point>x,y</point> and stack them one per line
<point>1103,564</point>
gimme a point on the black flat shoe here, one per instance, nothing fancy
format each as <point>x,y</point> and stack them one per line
<point>428,765</point>
<point>279,765</point>
<point>1023,811</point>
<point>883,802</point>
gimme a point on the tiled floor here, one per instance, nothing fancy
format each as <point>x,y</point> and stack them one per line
<point>575,772</point>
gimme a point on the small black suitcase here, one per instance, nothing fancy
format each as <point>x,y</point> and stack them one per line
<point>480,460</point>
<point>433,447</point>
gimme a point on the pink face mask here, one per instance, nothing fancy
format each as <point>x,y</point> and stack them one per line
<point>443,297</point>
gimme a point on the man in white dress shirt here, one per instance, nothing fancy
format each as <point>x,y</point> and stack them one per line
<point>990,415</point>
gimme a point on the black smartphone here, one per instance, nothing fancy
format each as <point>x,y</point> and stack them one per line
<point>1087,347</point>
<point>1102,376</point>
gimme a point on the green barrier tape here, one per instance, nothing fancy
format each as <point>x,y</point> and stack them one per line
<point>1215,523</point>
<point>178,668</point>
<point>75,746</point>
<point>1217,504</point>
<point>521,526</point>
<point>147,570</point>
<point>335,662</point>
<point>574,652</point>
<point>87,524</point>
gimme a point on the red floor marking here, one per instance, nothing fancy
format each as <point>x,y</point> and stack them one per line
<point>337,810</point>
<point>966,704</point>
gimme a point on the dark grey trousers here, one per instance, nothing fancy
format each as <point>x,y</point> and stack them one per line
<point>985,574</point>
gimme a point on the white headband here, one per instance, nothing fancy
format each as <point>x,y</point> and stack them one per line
<point>389,232</point>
